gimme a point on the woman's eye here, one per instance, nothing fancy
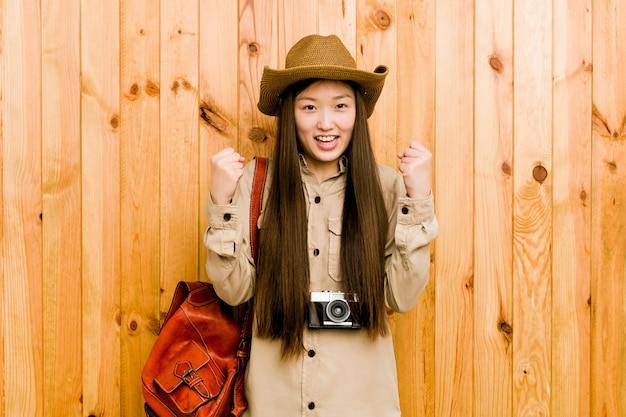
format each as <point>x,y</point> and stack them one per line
<point>309,107</point>
<point>342,106</point>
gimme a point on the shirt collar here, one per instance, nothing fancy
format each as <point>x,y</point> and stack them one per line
<point>343,164</point>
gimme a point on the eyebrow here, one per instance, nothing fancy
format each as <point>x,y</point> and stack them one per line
<point>339,97</point>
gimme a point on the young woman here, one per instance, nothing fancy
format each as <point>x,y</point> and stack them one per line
<point>342,239</point>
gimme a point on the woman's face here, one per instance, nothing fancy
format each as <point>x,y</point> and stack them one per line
<point>325,112</point>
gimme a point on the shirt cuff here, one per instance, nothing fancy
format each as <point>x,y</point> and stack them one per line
<point>412,211</point>
<point>222,217</point>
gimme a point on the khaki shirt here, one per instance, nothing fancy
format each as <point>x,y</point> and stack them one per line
<point>340,372</point>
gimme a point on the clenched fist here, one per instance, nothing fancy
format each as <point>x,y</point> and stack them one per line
<point>226,170</point>
<point>415,167</point>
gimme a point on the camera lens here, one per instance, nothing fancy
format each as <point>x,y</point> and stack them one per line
<point>338,311</point>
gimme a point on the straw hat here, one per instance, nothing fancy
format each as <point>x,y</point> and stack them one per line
<point>324,57</point>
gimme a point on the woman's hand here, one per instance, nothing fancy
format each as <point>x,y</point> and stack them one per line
<point>416,168</point>
<point>226,170</point>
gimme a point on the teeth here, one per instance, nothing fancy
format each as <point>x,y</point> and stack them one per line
<point>326,138</point>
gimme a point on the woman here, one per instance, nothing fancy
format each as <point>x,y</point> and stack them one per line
<point>342,239</point>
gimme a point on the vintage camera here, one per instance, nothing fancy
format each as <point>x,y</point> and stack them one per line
<point>331,310</point>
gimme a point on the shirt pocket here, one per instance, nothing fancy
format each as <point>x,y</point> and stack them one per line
<point>334,249</point>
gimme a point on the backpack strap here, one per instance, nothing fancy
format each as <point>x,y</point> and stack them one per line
<point>243,351</point>
<point>256,202</point>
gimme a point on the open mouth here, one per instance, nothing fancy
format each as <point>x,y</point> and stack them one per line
<point>326,139</point>
<point>327,143</point>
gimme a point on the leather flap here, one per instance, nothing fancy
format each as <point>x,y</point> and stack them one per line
<point>190,367</point>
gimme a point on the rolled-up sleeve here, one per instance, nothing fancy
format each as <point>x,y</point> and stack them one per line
<point>413,225</point>
<point>229,263</point>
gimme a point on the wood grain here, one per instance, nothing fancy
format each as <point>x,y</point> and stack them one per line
<point>414,332</point>
<point>454,185</point>
<point>258,47</point>
<point>61,192</point>
<point>376,45</point>
<point>493,142</point>
<point>218,93</point>
<point>179,148</point>
<point>100,163</point>
<point>140,179</point>
<point>571,208</point>
<point>338,18</point>
<point>22,250</point>
<point>608,212</point>
<point>532,208</point>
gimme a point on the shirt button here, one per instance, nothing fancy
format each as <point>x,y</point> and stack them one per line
<point>227,216</point>
<point>317,199</point>
<point>316,252</point>
<point>311,405</point>
<point>405,210</point>
<point>311,353</point>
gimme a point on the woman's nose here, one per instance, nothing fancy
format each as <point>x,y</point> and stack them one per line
<point>325,120</point>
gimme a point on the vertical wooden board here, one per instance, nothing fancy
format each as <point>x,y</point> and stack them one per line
<point>258,47</point>
<point>22,230</point>
<point>571,214</point>
<point>414,332</point>
<point>139,194</point>
<point>100,207</point>
<point>2,325</point>
<point>61,190</point>
<point>294,22</point>
<point>532,207</point>
<point>338,18</point>
<point>493,131</point>
<point>608,216</point>
<point>179,145</point>
<point>219,53</point>
<point>454,297</point>
<point>376,45</point>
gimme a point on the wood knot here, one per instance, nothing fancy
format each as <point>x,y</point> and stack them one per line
<point>115,122</point>
<point>496,64</point>
<point>506,168</point>
<point>382,19</point>
<point>540,173</point>
<point>151,88</point>
<point>154,327</point>
<point>583,195</point>
<point>505,327</point>
<point>133,326</point>
<point>253,49</point>
<point>256,134</point>
<point>469,285</point>
<point>133,91</point>
<point>212,117</point>
<point>177,84</point>
<point>612,166</point>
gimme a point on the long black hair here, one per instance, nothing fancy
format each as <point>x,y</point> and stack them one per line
<point>282,282</point>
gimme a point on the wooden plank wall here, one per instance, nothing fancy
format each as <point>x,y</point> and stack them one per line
<point>111,110</point>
